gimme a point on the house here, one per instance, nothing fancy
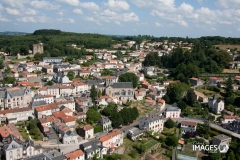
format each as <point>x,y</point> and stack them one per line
<point>201,97</point>
<point>86,131</point>
<point>79,87</point>
<point>134,133</point>
<point>69,121</point>
<point>49,155</point>
<point>46,110</point>
<point>50,90</point>
<point>53,60</point>
<point>15,97</point>
<point>216,105</point>
<point>60,128</point>
<point>149,71</point>
<point>188,126</point>
<point>60,77</point>
<point>122,90</point>
<point>47,69</point>
<point>221,140</point>
<point>196,81</point>
<point>29,149</point>
<point>15,115</point>
<point>13,149</point>
<point>112,140</point>
<point>75,155</point>
<point>106,124</point>
<point>47,98</point>
<point>92,148</point>
<point>151,123</point>
<point>80,116</point>
<point>172,112</point>
<point>215,80</point>
<point>70,138</point>
<point>229,119</point>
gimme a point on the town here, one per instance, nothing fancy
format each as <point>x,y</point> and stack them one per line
<point>119,103</point>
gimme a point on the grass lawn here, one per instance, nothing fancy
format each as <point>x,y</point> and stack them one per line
<point>151,143</point>
<point>225,46</point>
<point>23,132</point>
<point>188,151</point>
<point>18,60</point>
<point>168,131</point>
<point>206,92</point>
<point>141,107</point>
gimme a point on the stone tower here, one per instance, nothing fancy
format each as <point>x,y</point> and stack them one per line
<point>38,48</point>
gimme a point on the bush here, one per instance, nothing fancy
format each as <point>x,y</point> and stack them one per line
<point>169,123</point>
<point>97,129</point>
<point>133,153</point>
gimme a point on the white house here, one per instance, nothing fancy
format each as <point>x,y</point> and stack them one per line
<point>188,126</point>
<point>86,131</point>
<point>112,140</point>
<point>172,112</point>
<point>151,123</point>
<point>216,105</point>
<point>70,138</point>
<point>76,155</point>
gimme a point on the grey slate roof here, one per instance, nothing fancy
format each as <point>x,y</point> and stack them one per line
<point>94,144</point>
<point>122,85</point>
<point>38,96</point>
<point>69,133</point>
<point>153,119</point>
<point>171,108</point>
<point>14,93</point>
<point>2,94</point>
<point>38,103</point>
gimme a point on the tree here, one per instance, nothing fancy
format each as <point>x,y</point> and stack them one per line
<point>129,77</point>
<point>215,156</point>
<point>166,98</point>
<point>49,83</point>
<point>9,80</point>
<point>171,141</point>
<point>116,119</point>
<point>93,93</point>
<point>93,115</point>
<point>99,93</point>
<point>182,105</point>
<point>169,123</point>
<point>229,87</point>
<point>70,75</point>
<point>7,70</point>
<point>106,72</point>
<point>231,156</point>
<point>191,97</point>
<point>175,91</point>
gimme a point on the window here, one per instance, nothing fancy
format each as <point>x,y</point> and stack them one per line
<point>21,98</point>
<point>10,153</point>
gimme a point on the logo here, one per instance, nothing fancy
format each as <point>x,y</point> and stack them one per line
<point>204,147</point>
<point>223,148</point>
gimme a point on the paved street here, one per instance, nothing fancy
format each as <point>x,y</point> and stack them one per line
<point>65,148</point>
<point>212,125</point>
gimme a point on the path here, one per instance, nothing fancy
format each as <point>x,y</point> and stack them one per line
<point>28,133</point>
<point>212,125</point>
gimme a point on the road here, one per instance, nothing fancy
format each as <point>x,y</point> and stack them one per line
<point>64,148</point>
<point>212,125</point>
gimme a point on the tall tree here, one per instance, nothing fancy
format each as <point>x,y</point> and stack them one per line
<point>93,115</point>
<point>129,77</point>
<point>171,141</point>
<point>229,87</point>
<point>191,97</point>
<point>93,93</point>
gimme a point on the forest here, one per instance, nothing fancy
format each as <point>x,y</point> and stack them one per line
<point>185,64</point>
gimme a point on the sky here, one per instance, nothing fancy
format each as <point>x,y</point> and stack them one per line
<point>172,18</point>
